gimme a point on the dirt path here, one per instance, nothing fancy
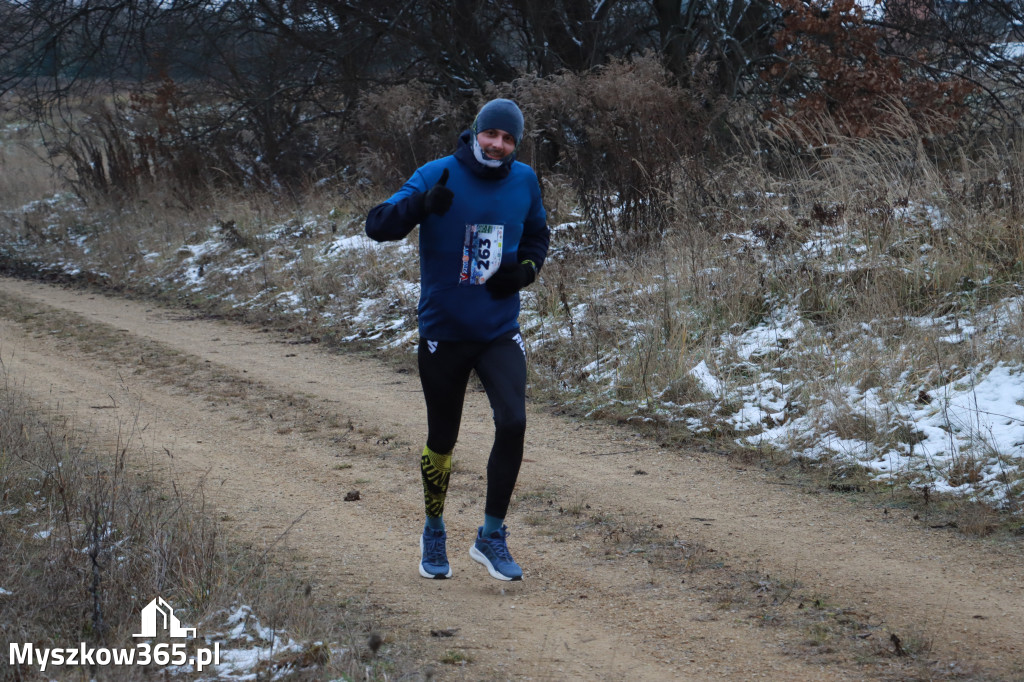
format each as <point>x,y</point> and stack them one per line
<point>641,563</point>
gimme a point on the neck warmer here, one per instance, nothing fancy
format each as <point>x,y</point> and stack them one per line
<point>479,154</point>
<point>470,154</point>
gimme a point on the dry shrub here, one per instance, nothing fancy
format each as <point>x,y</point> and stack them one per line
<point>997,180</point>
<point>976,518</point>
<point>102,156</point>
<point>637,326</point>
<point>831,65</point>
<point>618,134</point>
<point>900,234</point>
<point>187,141</point>
<point>401,127</point>
<point>120,148</point>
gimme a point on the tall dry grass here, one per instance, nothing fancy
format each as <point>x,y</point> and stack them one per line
<point>873,254</point>
<point>86,542</point>
<point>88,539</point>
<point>25,173</point>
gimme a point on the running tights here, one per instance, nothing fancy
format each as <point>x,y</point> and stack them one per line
<point>445,367</point>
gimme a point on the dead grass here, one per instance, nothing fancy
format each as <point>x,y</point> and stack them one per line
<point>25,174</point>
<point>89,538</point>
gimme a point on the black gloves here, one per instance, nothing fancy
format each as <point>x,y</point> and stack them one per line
<point>438,199</point>
<point>511,278</point>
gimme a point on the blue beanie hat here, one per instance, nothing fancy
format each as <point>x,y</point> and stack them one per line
<point>500,114</point>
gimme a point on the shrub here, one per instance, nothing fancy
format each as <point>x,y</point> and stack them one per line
<point>401,127</point>
<point>830,65</point>
<point>619,134</point>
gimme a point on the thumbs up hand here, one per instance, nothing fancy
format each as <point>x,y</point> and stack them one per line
<point>439,198</point>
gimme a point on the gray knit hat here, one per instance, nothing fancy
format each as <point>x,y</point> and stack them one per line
<point>500,114</point>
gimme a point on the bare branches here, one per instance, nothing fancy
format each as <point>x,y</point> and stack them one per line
<point>263,91</point>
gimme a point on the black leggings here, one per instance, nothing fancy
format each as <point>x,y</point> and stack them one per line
<point>501,365</point>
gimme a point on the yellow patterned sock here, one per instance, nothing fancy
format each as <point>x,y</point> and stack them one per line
<point>435,468</point>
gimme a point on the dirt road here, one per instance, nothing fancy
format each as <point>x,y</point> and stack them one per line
<point>641,563</point>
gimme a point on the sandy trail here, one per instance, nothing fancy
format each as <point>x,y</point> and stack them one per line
<point>287,430</point>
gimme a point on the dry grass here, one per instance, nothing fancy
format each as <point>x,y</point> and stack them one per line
<point>88,539</point>
<point>25,176</point>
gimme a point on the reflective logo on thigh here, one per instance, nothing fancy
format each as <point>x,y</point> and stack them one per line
<point>432,346</point>
<point>518,338</point>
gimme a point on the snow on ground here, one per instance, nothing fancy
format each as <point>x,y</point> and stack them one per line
<point>964,437</point>
<point>967,435</point>
<point>249,650</point>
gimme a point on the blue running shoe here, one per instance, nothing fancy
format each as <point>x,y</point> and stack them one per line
<point>492,552</point>
<point>434,555</point>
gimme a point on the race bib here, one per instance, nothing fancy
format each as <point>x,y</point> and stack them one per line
<point>481,253</point>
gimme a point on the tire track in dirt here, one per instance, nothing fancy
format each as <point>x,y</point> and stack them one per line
<point>586,610</point>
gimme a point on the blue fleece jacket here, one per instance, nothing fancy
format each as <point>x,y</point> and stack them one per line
<point>496,217</point>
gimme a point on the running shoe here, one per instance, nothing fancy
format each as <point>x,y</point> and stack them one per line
<point>492,552</point>
<point>434,555</point>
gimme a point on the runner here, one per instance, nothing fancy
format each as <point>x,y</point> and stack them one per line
<point>483,237</point>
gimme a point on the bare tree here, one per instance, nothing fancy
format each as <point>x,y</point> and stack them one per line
<point>186,85</point>
<point>732,36</point>
<point>981,41</point>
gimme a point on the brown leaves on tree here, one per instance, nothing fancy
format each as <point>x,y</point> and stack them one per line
<point>830,65</point>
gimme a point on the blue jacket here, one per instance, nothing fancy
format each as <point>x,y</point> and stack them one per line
<point>458,251</point>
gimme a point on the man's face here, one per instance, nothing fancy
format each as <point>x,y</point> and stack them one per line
<point>496,144</point>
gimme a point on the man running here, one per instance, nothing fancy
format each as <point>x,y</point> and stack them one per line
<point>483,237</point>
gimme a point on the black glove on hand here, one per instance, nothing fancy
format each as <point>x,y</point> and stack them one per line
<point>439,198</point>
<point>510,278</point>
